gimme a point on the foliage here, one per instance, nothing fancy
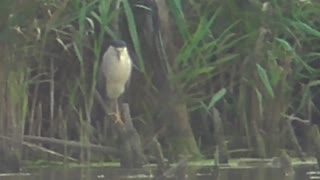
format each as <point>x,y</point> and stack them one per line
<point>255,62</point>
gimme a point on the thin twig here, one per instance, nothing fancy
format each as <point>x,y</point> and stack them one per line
<point>294,118</point>
<point>68,144</point>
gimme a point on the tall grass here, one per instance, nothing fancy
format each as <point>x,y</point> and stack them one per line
<point>255,64</point>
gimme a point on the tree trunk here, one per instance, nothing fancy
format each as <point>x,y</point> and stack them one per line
<point>9,124</point>
<point>159,52</point>
<point>178,132</point>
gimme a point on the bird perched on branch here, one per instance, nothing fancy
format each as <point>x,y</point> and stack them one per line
<point>115,72</point>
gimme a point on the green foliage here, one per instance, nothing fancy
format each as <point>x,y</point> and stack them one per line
<point>265,79</point>
<point>202,53</point>
<point>219,61</point>
<point>219,95</point>
<point>178,14</point>
<point>133,33</point>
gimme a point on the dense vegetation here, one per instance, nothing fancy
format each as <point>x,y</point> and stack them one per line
<point>252,64</point>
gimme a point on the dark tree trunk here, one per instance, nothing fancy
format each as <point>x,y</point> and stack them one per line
<point>130,147</point>
<point>159,52</point>
<point>9,124</point>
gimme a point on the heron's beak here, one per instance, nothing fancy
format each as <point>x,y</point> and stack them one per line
<point>120,51</point>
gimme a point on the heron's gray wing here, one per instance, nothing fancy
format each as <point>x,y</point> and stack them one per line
<point>105,107</point>
<point>135,66</point>
<point>108,103</point>
<point>102,85</point>
<point>134,60</point>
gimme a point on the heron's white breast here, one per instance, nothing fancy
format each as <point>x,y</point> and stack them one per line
<point>117,72</point>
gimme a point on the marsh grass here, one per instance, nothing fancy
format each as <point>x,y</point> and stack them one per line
<point>255,63</point>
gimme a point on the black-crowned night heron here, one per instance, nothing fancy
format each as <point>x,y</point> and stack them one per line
<point>115,72</point>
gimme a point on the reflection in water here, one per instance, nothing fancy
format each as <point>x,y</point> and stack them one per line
<point>226,173</point>
<point>313,174</point>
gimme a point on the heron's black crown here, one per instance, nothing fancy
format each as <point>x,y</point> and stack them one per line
<point>118,44</point>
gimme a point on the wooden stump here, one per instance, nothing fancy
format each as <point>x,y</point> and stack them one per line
<point>129,143</point>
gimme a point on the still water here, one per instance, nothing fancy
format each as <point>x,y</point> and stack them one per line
<point>239,173</point>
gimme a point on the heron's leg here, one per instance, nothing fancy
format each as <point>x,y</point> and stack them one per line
<point>118,114</point>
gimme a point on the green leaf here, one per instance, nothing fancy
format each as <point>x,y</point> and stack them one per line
<point>296,57</point>
<point>191,75</point>
<point>78,53</point>
<point>285,44</point>
<point>219,95</point>
<point>177,11</point>
<point>104,8</point>
<point>307,95</point>
<point>133,33</point>
<point>225,59</point>
<point>192,45</point>
<point>82,19</point>
<point>265,79</point>
<point>259,95</point>
<point>306,28</point>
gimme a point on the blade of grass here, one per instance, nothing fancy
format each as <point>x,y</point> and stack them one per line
<point>265,80</point>
<point>217,97</point>
<point>134,33</point>
<point>178,14</point>
<point>204,28</point>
